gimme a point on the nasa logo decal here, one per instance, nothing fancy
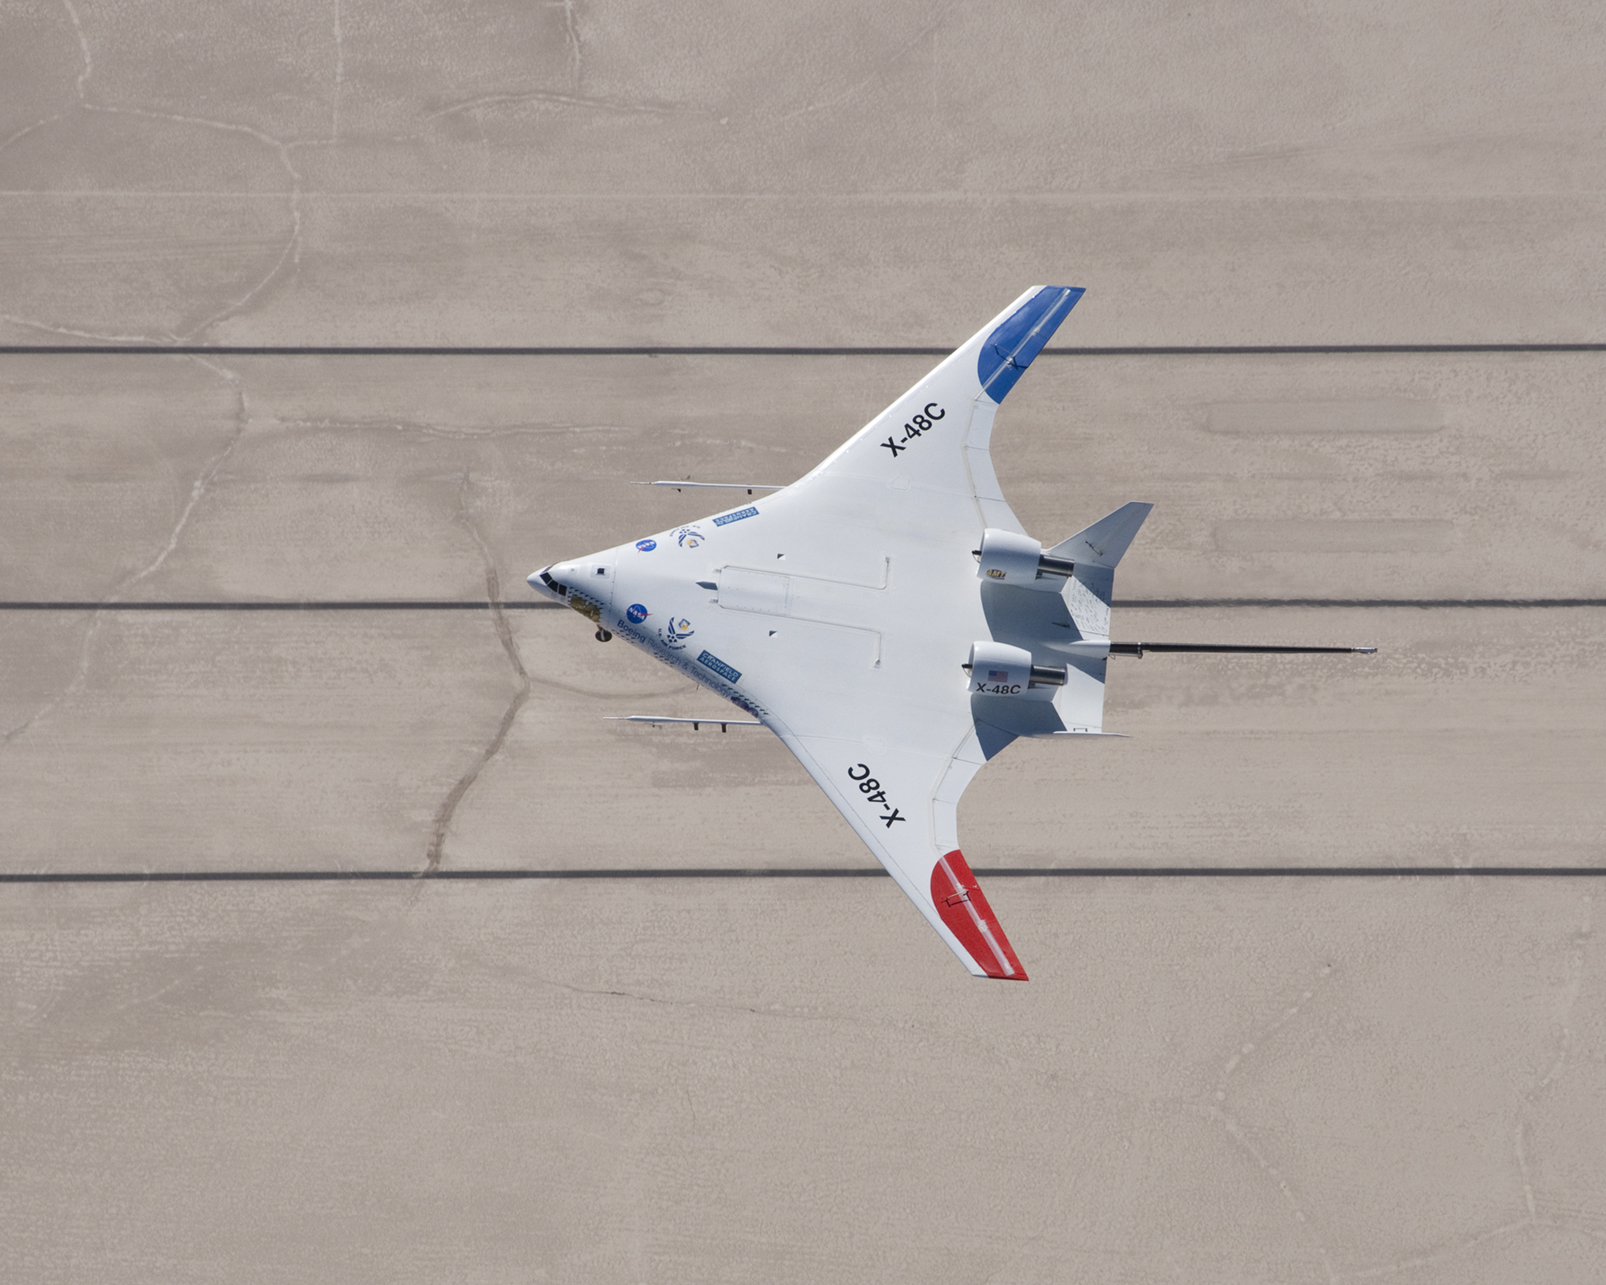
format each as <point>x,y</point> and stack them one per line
<point>636,613</point>
<point>646,546</point>
<point>688,537</point>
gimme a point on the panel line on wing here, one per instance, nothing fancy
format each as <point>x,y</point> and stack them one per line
<point>886,576</point>
<point>789,595</point>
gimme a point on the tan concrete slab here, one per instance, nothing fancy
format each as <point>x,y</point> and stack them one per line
<point>98,468</point>
<point>284,741</point>
<point>903,270</point>
<point>1350,477</point>
<point>1294,1081</point>
<point>594,174</point>
<point>226,741</point>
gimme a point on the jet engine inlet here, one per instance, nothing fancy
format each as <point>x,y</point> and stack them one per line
<point>1007,557</point>
<point>997,669</point>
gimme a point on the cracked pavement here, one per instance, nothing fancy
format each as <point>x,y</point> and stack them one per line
<point>1284,1078</point>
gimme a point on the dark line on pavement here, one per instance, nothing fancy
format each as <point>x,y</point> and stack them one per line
<point>807,872</point>
<point>337,604</point>
<point>746,350</point>
<point>432,604</point>
<point>1424,604</point>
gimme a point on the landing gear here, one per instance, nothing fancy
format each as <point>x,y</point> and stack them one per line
<point>603,635</point>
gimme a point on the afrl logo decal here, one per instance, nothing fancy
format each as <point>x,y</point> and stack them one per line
<point>688,537</point>
<point>636,613</point>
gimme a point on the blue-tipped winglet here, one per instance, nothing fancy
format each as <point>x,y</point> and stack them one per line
<point>1010,348</point>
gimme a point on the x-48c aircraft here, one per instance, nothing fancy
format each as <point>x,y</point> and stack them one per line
<point>890,620</point>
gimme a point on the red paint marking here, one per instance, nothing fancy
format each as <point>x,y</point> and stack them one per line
<point>963,907</point>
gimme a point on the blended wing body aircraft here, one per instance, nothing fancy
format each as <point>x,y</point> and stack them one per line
<point>889,619</point>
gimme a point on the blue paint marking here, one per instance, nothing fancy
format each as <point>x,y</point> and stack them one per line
<point>646,546</point>
<point>1010,348</point>
<point>720,667</point>
<point>635,613</point>
<point>737,516</point>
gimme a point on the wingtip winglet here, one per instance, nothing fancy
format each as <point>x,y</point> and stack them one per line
<point>964,909</point>
<point>1016,341</point>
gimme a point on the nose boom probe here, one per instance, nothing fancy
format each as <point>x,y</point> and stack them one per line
<point>1138,648</point>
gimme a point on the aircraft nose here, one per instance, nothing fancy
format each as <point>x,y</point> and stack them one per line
<point>545,583</point>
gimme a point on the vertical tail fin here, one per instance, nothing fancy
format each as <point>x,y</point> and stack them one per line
<point>1095,551</point>
<point>1103,543</point>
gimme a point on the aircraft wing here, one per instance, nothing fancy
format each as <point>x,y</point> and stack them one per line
<point>926,458</point>
<point>900,797</point>
<point>849,602</point>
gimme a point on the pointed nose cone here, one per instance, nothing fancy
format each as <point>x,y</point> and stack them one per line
<point>590,578</point>
<point>548,585</point>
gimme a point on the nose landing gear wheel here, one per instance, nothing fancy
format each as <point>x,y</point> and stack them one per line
<point>603,635</point>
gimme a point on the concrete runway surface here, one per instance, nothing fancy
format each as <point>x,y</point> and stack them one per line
<point>252,625</point>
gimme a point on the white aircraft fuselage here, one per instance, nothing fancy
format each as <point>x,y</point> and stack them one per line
<point>648,593</point>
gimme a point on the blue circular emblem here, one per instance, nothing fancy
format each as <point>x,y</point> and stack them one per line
<point>646,546</point>
<point>635,613</point>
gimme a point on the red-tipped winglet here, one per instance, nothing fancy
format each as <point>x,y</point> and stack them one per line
<point>963,907</point>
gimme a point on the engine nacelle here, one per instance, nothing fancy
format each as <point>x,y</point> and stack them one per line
<point>997,669</point>
<point>1008,557</point>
